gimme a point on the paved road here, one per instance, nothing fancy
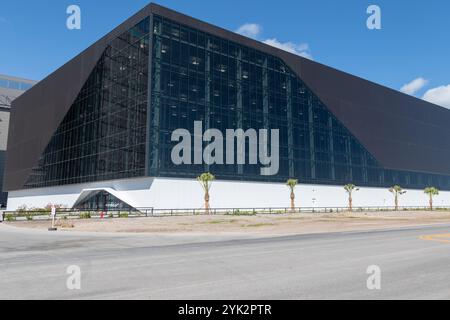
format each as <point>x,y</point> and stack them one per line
<point>33,265</point>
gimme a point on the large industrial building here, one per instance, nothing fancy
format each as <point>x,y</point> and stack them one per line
<point>10,89</point>
<point>97,132</point>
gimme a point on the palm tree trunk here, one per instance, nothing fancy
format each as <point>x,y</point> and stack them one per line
<point>293,201</point>
<point>207,207</point>
<point>431,202</point>
<point>396,202</point>
<point>350,203</point>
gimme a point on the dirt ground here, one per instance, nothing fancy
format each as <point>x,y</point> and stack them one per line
<point>280,224</point>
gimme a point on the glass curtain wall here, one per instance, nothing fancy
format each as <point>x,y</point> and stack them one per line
<point>200,77</point>
<point>103,136</point>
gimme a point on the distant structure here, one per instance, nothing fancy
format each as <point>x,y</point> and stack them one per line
<point>10,88</point>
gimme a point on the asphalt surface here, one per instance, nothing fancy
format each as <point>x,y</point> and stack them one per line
<point>33,265</point>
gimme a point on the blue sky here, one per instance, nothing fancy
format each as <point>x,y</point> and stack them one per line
<point>412,44</point>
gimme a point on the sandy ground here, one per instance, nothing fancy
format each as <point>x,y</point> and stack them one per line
<point>280,224</point>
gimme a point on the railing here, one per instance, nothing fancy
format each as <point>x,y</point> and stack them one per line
<point>152,212</point>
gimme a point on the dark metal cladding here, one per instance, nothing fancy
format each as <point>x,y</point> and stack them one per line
<point>400,131</point>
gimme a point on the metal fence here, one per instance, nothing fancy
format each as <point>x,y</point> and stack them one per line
<point>152,212</point>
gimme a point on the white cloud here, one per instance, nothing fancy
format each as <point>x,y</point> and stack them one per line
<point>254,30</point>
<point>301,49</point>
<point>439,96</point>
<point>414,86</point>
<point>251,30</point>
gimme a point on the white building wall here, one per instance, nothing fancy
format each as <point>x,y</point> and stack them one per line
<point>165,193</point>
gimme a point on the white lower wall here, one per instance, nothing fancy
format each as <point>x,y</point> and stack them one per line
<point>162,193</point>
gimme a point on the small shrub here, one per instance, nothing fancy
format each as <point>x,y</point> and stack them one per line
<point>110,216</point>
<point>29,217</point>
<point>244,213</point>
<point>85,215</point>
<point>123,215</point>
<point>10,218</point>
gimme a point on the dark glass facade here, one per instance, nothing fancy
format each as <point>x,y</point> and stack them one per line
<point>199,77</point>
<point>103,136</point>
<point>117,129</point>
<point>103,200</point>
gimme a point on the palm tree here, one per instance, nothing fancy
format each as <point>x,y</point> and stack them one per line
<point>350,188</point>
<point>431,192</point>
<point>396,191</point>
<point>205,180</point>
<point>292,183</point>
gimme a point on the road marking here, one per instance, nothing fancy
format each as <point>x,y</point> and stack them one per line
<point>443,238</point>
